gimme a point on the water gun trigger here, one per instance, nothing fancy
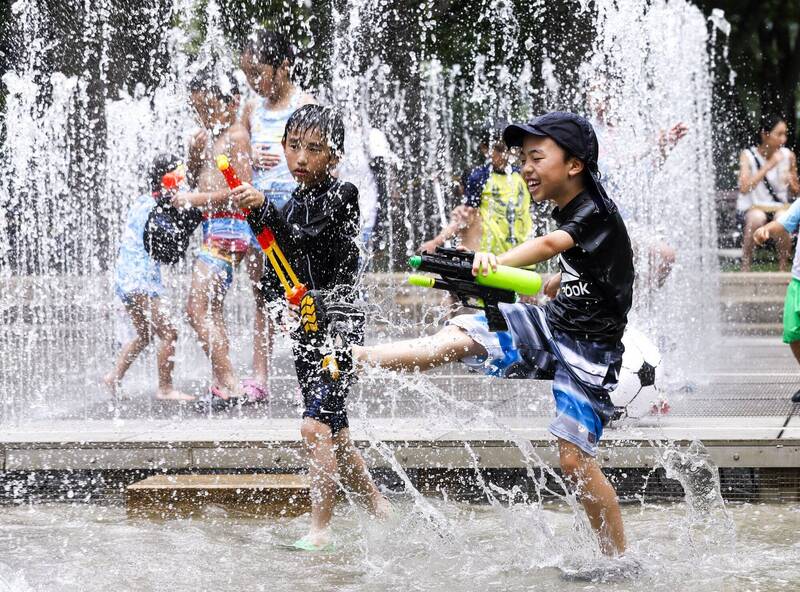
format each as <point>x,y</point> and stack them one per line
<point>295,293</point>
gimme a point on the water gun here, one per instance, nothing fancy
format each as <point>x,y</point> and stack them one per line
<point>172,180</point>
<point>486,292</point>
<point>291,285</point>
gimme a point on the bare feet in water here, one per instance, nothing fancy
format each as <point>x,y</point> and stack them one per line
<point>173,395</point>
<point>381,508</point>
<point>111,383</point>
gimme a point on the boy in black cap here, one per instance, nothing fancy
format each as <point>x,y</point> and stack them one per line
<point>574,339</point>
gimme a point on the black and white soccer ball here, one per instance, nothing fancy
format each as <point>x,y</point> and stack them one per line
<point>637,394</point>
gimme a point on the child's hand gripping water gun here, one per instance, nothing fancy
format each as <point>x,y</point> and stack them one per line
<point>486,292</point>
<point>291,285</point>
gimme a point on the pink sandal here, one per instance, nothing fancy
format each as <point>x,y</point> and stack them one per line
<point>254,391</point>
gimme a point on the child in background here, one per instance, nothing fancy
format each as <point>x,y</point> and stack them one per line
<point>496,213</point>
<point>226,234</point>
<point>318,230</point>
<point>268,61</point>
<point>137,282</point>
<point>782,229</point>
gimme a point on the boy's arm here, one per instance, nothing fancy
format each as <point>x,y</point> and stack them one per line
<point>461,219</point>
<point>240,156</point>
<point>194,161</point>
<point>528,253</point>
<point>240,161</point>
<point>247,110</point>
<point>264,214</point>
<point>784,226</point>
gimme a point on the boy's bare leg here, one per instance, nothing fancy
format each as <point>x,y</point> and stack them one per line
<point>753,220</point>
<point>783,242</point>
<point>355,475</point>
<point>322,469</point>
<point>205,310</point>
<point>795,347</point>
<point>448,345</point>
<point>596,494</point>
<point>168,337</point>
<point>137,308</point>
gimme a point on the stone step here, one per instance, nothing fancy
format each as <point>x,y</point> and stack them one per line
<point>170,496</point>
<point>754,329</point>
<point>753,311</point>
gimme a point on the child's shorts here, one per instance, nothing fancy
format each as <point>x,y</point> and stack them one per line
<point>324,400</point>
<point>791,312</point>
<point>223,239</point>
<point>583,372</point>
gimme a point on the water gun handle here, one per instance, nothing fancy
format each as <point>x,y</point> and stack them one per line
<point>291,285</point>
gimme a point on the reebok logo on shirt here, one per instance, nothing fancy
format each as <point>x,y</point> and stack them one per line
<point>571,283</point>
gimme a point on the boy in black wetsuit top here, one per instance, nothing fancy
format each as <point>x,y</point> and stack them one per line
<point>575,339</point>
<point>318,231</point>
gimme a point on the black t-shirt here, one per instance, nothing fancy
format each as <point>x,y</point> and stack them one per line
<point>317,230</point>
<point>596,274</point>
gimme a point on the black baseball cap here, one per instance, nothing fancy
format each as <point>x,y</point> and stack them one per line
<point>575,135</point>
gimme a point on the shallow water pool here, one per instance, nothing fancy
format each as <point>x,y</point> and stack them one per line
<point>427,545</point>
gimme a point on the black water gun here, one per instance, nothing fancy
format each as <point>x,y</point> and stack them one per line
<point>486,292</point>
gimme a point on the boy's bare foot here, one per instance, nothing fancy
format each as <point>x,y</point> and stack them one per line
<point>318,538</point>
<point>173,395</point>
<point>111,383</point>
<point>381,508</point>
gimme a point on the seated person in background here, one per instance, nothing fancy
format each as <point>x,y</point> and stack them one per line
<point>767,180</point>
<point>496,213</point>
<point>782,230</point>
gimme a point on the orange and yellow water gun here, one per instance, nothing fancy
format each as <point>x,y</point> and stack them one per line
<point>293,288</point>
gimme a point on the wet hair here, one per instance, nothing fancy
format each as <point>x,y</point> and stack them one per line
<point>767,123</point>
<point>491,131</point>
<point>326,120</point>
<point>218,82</point>
<point>269,47</point>
<point>160,166</point>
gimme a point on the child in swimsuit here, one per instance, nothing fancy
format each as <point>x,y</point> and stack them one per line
<point>226,234</point>
<point>137,282</point>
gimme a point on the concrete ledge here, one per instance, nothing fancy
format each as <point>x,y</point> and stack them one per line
<point>95,457</point>
<point>462,454</point>
<point>752,303</point>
